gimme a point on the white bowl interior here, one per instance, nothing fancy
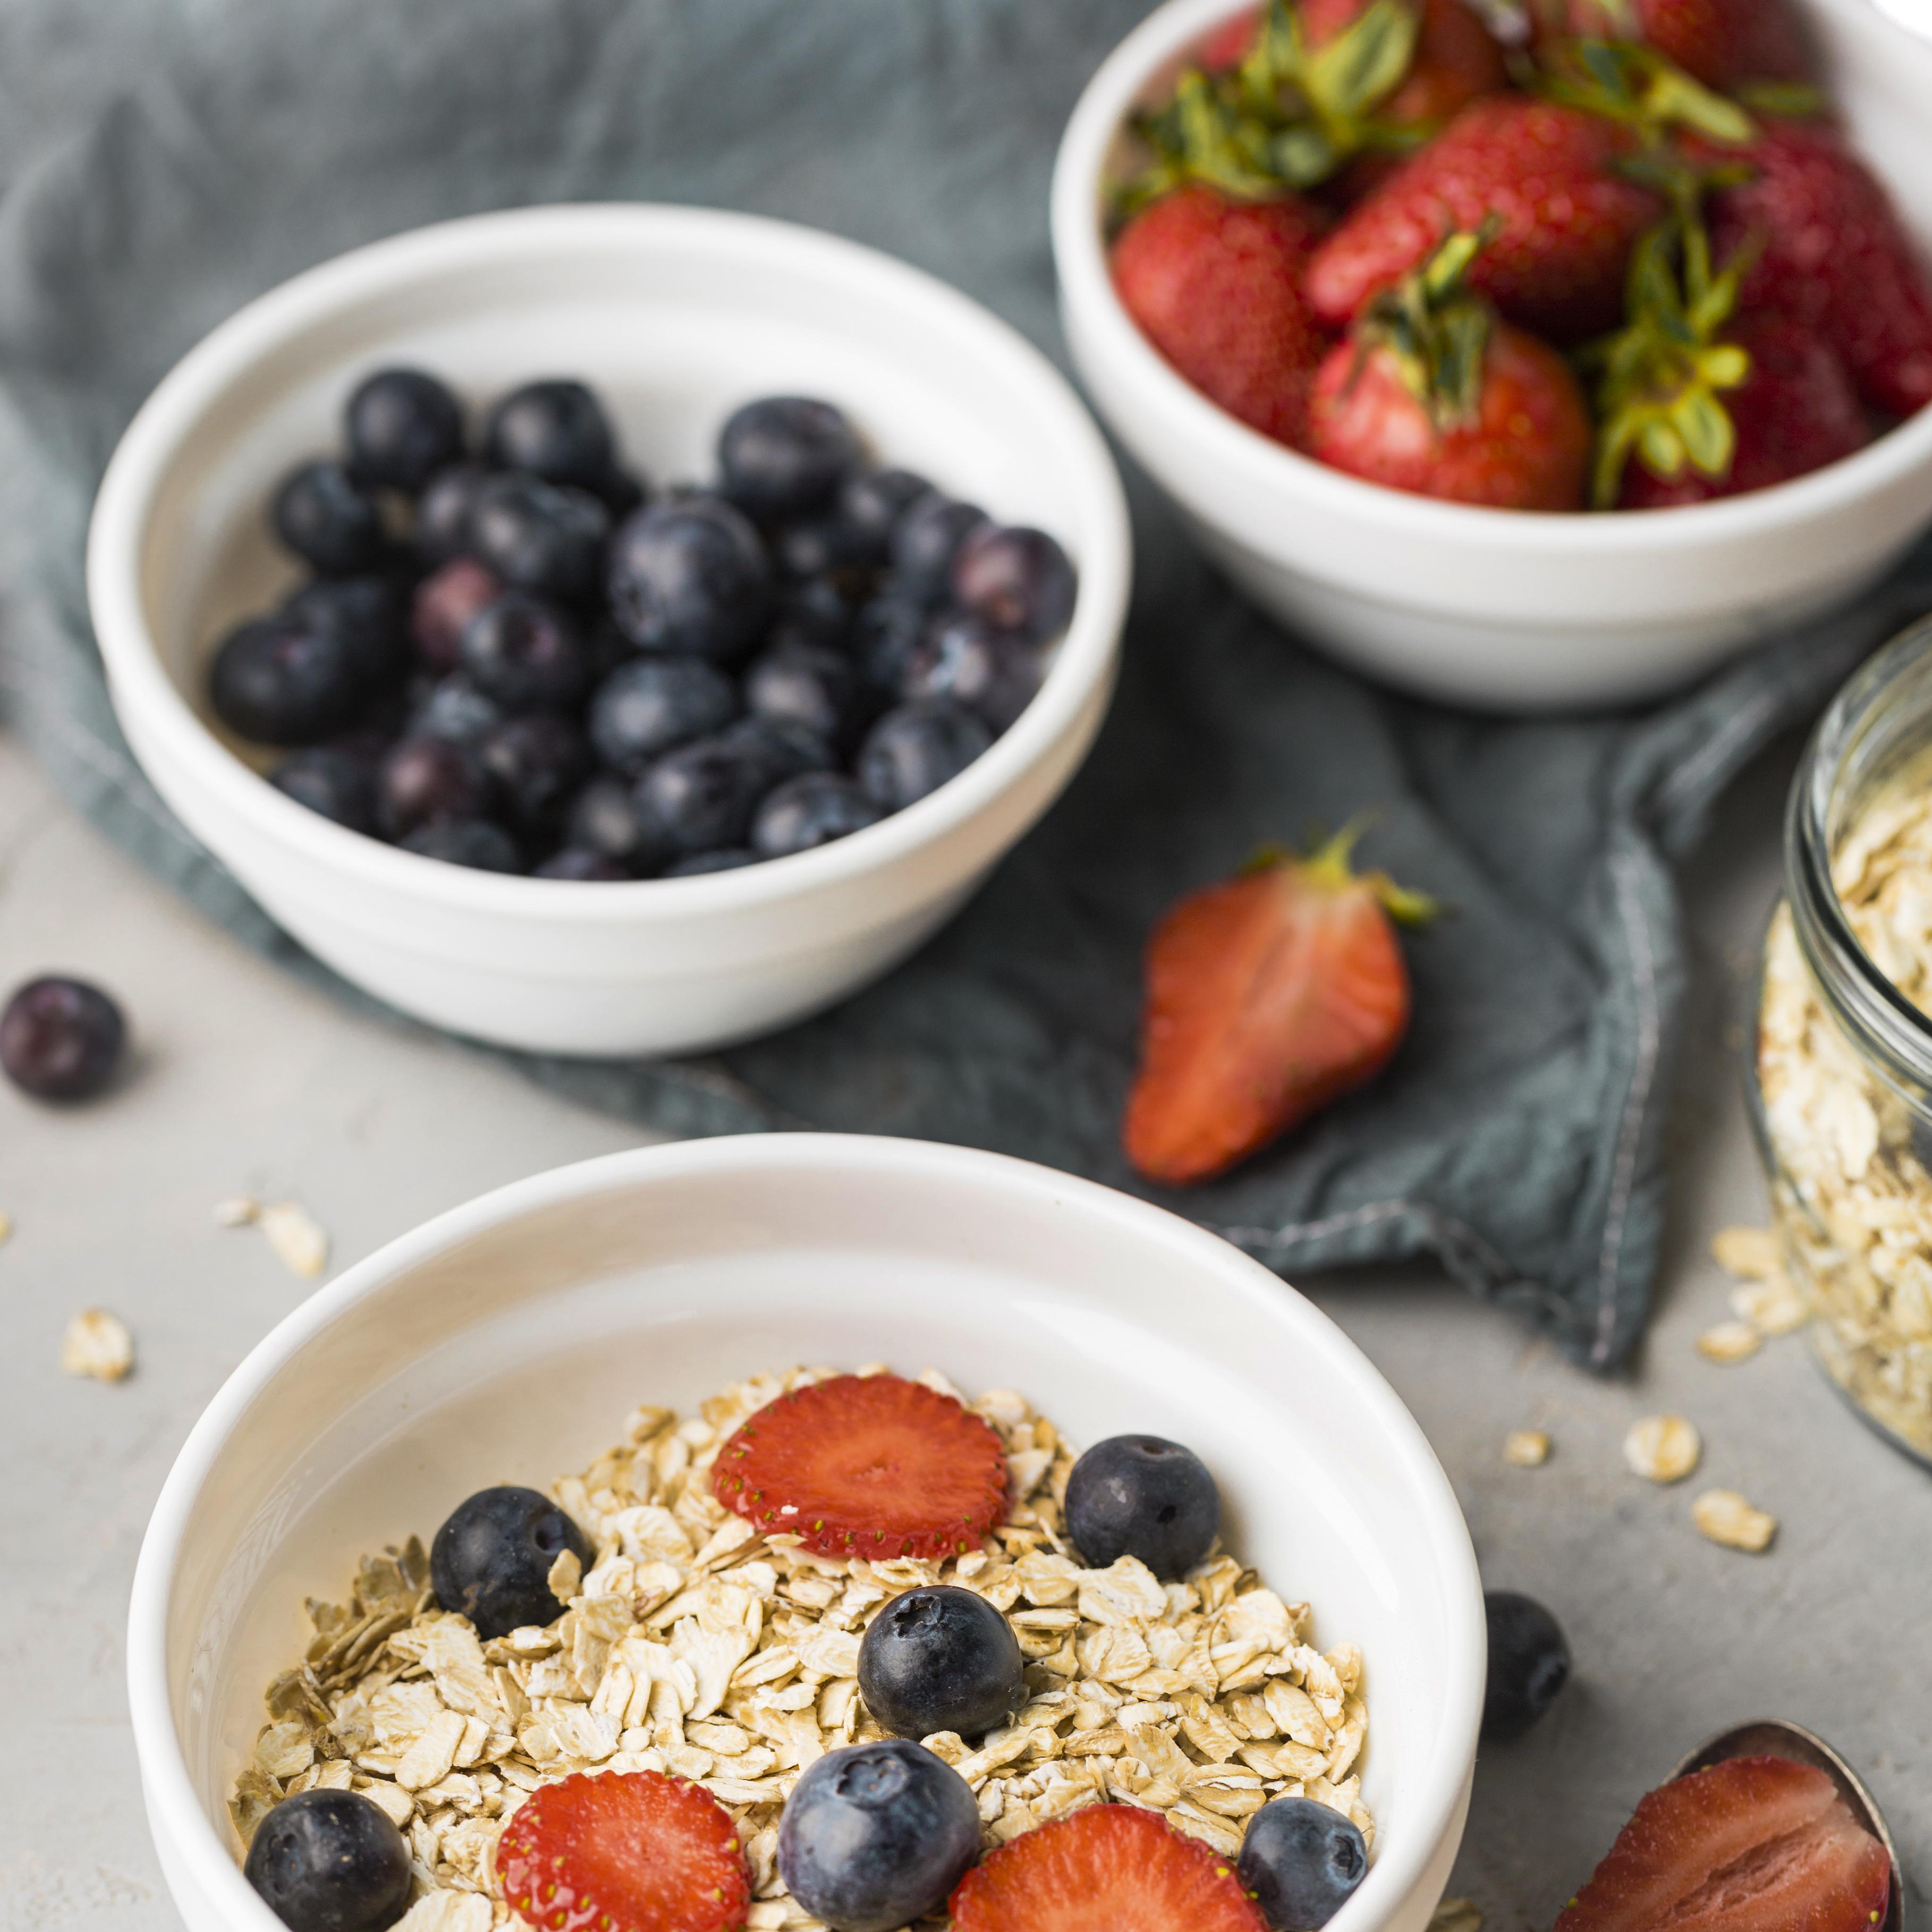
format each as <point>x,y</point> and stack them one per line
<point>507,1343</point>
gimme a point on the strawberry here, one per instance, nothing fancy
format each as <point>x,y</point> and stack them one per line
<point>1267,996</point>
<point>1432,394</point>
<point>1755,1844</point>
<point>871,1465</point>
<point>1107,1868</point>
<point>1832,252</point>
<point>624,1852</point>
<point>1724,43</point>
<point>1215,285</point>
<point>1566,220</point>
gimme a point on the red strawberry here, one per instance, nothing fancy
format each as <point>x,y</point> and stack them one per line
<point>1216,285</point>
<point>1267,996</point>
<point>1724,43</point>
<point>1107,1868</point>
<point>867,1466</point>
<point>1756,1844</point>
<point>1834,254</point>
<point>1795,412</point>
<point>1566,221</point>
<point>624,1852</point>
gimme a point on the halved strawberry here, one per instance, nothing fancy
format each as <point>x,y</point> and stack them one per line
<point>867,1466</point>
<point>624,1852</point>
<point>1109,1868</point>
<point>1756,1844</point>
<point>1267,996</point>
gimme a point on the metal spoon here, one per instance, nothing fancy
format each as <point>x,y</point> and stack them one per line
<point>1775,1737</point>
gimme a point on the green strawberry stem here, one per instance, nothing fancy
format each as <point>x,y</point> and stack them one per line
<point>1327,863</point>
<point>1622,80</point>
<point>1435,330</point>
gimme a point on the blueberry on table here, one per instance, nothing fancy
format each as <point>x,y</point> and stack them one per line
<point>542,537</point>
<point>728,859</point>
<point>872,502</point>
<point>445,602</point>
<point>326,1861</point>
<point>606,819</point>
<point>940,1658</point>
<point>812,809</point>
<point>424,781</point>
<point>874,1836</point>
<point>579,863</point>
<point>1143,1496</point>
<point>370,616</point>
<point>328,519</point>
<point>1301,1860</point>
<point>1529,1664</point>
<point>555,429</point>
<point>916,749</point>
<point>994,674</point>
<point>403,426</point>
<point>491,1560</point>
<point>453,708</point>
<point>651,705</point>
<point>280,682</point>
<point>474,842</point>
<point>525,654</point>
<point>337,783</point>
<point>784,455</point>
<point>1017,579</point>
<point>691,576</point>
<point>61,1038</point>
<point>535,765</point>
<point>814,685</point>
<point>443,510</point>
<point>925,541</point>
<point>702,795</point>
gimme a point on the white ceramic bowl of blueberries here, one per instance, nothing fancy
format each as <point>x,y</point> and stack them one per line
<point>509,1340</point>
<point>611,630</point>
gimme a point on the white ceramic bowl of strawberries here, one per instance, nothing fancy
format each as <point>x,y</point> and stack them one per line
<point>675,317</point>
<point>1515,609</point>
<point>506,1341</point>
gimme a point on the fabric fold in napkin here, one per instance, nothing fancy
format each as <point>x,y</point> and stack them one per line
<point>162,161</point>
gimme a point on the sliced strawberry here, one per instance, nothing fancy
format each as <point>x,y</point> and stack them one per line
<point>1756,1844</point>
<point>624,1852</point>
<point>1109,1868</point>
<point>1267,996</point>
<point>867,1466</point>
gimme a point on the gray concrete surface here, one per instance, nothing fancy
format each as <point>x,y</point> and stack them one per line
<point>246,1082</point>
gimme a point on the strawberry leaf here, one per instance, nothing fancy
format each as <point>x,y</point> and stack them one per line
<point>1364,64</point>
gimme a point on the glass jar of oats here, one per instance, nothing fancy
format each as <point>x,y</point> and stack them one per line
<point>1842,1059</point>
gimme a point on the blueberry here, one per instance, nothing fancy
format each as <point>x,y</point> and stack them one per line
<point>691,576</point>
<point>535,765</point>
<point>925,541</point>
<point>819,547</point>
<point>455,709</point>
<point>782,747</point>
<point>606,819</point>
<point>426,781</point>
<point>703,794</point>
<point>994,674</point>
<point>61,1038</point>
<point>916,749</point>
<point>888,631</point>
<point>444,603</point>
<point>784,455</point>
<point>539,536</point>
<point>527,654</point>
<point>327,1860</point>
<point>369,614</point>
<point>402,426</point>
<point>814,612</point>
<point>556,429</point>
<point>1144,1496</point>
<point>475,842</point>
<point>812,809</point>
<point>337,783</point>
<point>872,502</point>
<point>491,1560</point>
<point>577,863</point>
<point>726,859</point>
<point>876,1835</point>
<point>278,681</point>
<point>814,685</point>
<point>1529,1664</point>
<point>443,510</point>
<point>619,492</point>
<point>328,519</point>
<point>651,705</point>
<point>1017,579</point>
<point>1301,1860</point>
<point>939,1658</point>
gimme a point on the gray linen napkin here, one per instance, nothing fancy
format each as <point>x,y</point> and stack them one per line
<point>164,160</point>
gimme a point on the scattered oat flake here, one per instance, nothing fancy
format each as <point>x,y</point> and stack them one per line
<point>1725,1517</point>
<point>1751,1254</point>
<point>97,1344</point>
<point>1526,1448</point>
<point>1729,1342</point>
<point>1771,1307</point>
<point>1457,1915</point>
<point>1663,1448</point>
<point>238,1210</point>
<point>298,1239</point>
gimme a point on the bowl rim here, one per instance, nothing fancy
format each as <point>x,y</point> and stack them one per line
<point>1251,462</point>
<point>1082,667</point>
<point>175,1811</point>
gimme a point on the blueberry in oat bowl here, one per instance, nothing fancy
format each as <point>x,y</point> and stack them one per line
<point>940,1659</point>
<point>492,1559</point>
<point>61,1038</point>
<point>1302,1861</point>
<point>330,1861</point>
<point>1144,1497</point>
<point>638,688</point>
<point>1529,1663</point>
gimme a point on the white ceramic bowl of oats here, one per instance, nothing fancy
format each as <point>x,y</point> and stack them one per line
<point>512,1340</point>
